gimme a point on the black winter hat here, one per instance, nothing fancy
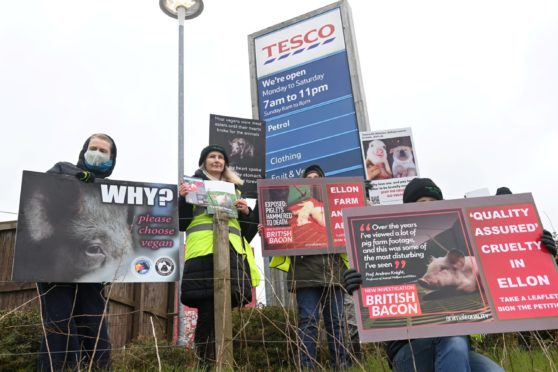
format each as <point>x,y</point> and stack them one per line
<point>503,191</point>
<point>313,168</point>
<point>81,159</point>
<point>419,187</point>
<point>210,148</point>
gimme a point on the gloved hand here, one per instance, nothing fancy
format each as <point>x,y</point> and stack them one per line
<point>548,241</point>
<point>85,176</point>
<point>352,280</point>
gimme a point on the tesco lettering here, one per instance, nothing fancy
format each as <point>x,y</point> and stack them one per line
<point>297,41</point>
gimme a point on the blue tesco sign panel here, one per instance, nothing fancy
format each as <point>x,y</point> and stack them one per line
<point>306,100</point>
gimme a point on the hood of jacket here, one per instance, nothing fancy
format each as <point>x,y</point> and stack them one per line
<point>81,160</point>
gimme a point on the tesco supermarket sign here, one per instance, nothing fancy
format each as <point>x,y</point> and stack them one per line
<point>304,41</point>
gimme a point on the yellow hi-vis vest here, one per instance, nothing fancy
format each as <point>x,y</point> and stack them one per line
<point>199,242</point>
<point>283,263</point>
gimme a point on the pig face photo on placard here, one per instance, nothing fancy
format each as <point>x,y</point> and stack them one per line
<point>376,160</point>
<point>389,158</point>
<point>453,272</point>
<point>450,270</point>
<point>65,233</point>
<point>240,148</point>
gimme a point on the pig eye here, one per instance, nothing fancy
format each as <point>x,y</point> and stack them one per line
<point>94,249</point>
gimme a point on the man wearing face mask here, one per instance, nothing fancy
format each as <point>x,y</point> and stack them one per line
<point>76,333</point>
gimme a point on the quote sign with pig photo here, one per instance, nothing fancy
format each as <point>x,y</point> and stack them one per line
<point>451,268</point>
<point>390,163</point>
<point>244,140</point>
<point>305,216</point>
<point>106,231</point>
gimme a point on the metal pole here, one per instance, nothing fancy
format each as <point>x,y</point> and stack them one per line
<point>181,16</point>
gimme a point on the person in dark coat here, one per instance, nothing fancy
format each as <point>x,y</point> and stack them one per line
<point>76,330</point>
<point>437,353</point>
<point>316,282</point>
<point>197,278</point>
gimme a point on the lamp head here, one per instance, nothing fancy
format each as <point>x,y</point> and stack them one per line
<point>193,7</point>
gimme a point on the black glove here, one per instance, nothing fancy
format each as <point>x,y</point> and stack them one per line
<point>548,242</point>
<point>352,280</point>
<point>85,176</point>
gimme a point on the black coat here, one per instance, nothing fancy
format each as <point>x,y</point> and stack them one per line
<point>197,277</point>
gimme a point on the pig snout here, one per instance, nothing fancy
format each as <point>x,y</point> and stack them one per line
<point>437,276</point>
<point>426,282</point>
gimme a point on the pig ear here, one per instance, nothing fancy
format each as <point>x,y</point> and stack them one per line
<point>456,257</point>
<point>430,259</point>
<point>37,219</point>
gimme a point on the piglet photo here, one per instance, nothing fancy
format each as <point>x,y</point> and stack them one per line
<point>454,271</point>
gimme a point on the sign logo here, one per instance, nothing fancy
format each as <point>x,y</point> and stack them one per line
<point>297,44</point>
<point>142,265</point>
<point>164,266</point>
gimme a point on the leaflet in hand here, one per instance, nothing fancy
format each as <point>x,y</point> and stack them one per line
<point>197,194</point>
<point>221,195</point>
<point>212,194</point>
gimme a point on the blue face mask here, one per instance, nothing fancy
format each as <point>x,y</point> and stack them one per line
<point>101,168</point>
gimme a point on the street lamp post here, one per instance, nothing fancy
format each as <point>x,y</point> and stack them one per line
<point>181,10</point>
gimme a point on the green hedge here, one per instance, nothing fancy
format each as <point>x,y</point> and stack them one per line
<point>20,339</point>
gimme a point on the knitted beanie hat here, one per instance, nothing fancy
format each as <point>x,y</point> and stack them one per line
<point>313,168</point>
<point>419,187</point>
<point>205,152</point>
<point>503,191</point>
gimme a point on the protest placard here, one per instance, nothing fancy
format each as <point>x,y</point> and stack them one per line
<point>244,140</point>
<point>451,268</point>
<point>304,216</point>
<point>390,162</point>
<point>106,231</point>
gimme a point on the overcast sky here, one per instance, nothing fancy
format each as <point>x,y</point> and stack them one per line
<point>477,81</point>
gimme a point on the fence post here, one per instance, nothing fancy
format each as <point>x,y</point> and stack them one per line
<point>139,309</point>
<point>222,291</point>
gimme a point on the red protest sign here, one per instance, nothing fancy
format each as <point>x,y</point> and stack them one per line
<point>342,196</point>
<point>305,216</point>
<point>507,237</point>
<point>451,268</point>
